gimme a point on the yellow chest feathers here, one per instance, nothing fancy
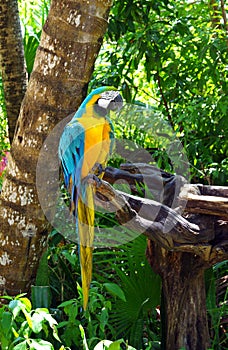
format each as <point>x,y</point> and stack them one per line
<point>97,142</point>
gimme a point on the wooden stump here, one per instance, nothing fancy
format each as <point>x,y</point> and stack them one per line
<point>180,247</point>
<point>183,311</point>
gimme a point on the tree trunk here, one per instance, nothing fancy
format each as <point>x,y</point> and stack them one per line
<point>215,14</point>
<point>11,61</point>
<point>64,62</point>
<point>184,314</point>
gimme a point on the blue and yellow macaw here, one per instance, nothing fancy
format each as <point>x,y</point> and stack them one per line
<point>84,147</point>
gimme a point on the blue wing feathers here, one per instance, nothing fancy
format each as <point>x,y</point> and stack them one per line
<point>71,149</point>
<point>71,152</point>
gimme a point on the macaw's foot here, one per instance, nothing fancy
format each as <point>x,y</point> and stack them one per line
<point>93,180</point>
<point>97,180</point>
<point>97,169</point>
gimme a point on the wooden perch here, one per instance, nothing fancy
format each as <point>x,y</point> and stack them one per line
<point>156,221</point>
<point>211,200</point>
<point>204,235</point>
<point>162,185</point>
<point>187,232</point>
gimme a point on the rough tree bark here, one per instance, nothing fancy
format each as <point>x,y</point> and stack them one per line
<point>180,248</point>
<point>12,61</point>
<point>70,42</point>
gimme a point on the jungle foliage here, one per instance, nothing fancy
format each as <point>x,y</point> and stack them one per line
<point>173,56</point>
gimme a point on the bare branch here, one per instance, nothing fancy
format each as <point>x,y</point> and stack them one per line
<point>156,221</point>
<point>203,230</point>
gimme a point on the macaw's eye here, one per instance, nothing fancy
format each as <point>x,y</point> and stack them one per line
<point>116,104</point>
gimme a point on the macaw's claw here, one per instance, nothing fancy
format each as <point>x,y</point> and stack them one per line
<point>97,180</point>
<point>97,169</point>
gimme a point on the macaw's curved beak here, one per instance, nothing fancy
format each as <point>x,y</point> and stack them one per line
<point>110,101</point>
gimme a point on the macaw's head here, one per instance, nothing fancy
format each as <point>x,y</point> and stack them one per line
<point>104,100</point>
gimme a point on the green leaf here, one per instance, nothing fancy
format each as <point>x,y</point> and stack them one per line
<point>85,345</point>
<point>72,258</point>
<point>71,308</point>
<point>16,307</point>
<point>21,346</point>
<point>126,92</point>
<point>19,296</point>
<point>103,319</point>
<point>42,276</point>
<point>68,302</point>
<point>44,313</point>
<point>6,321</point>
<point>181,28</point>
<point>30,46</point>
<point>15,333</point>
<point>27,303</point>
<point>28,318</point>
<point>62,324</point>
<point>6,297</point>
<point>115,290</point>
<point>40,344</point>
<point>103,344</point>
<point>116,345</point>
<point>213,52</point>
<point>37,320</point>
